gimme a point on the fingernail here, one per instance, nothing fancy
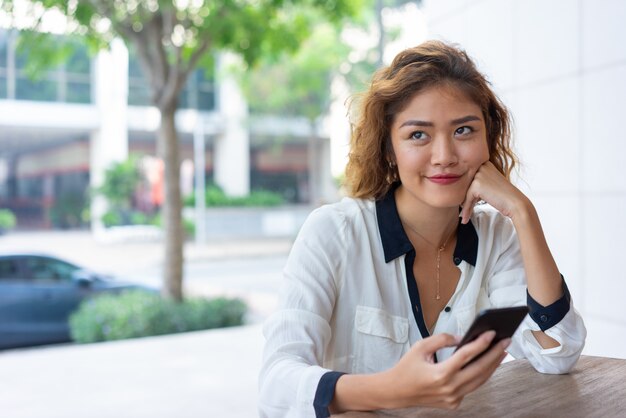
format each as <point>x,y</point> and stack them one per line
<point>489,335</point>
<point>505,343</point>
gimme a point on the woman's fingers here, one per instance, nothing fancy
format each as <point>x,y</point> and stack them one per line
<point>478,372</point>
<point>471,198</point>
<point>430,345</point>
<point>444,384</point>
<point>468,208</point>
<point>464,354</point>
<point>474,375</point>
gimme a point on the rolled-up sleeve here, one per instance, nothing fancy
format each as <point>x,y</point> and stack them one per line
<point>298,333</point>
<point>548,316</point>
<point>325,393</point>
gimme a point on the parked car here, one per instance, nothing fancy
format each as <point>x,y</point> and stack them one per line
<point>39,292</point>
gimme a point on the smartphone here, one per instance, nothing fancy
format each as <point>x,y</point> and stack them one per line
<point>504,321</point>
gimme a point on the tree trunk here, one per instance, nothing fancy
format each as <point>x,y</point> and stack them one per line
<point>172,206</point>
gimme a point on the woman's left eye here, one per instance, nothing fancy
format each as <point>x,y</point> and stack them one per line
<point>464,130</point>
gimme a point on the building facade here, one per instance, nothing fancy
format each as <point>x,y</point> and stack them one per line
<point>59,133</point>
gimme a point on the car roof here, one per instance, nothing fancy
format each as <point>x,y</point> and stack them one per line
<point>19,254</point>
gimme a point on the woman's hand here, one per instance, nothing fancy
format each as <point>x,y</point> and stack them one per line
<point>544,280</point>
<point>416,380</point>
<point>492,187</point>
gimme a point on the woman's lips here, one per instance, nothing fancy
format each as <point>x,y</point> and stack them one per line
<point>444,178</point>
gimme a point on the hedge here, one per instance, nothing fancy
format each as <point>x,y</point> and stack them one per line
<point>135,313</point>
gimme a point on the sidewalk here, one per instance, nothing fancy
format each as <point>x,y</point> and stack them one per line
<point>201,374</point>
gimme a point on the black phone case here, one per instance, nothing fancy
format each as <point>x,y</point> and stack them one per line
<point>504,321</point>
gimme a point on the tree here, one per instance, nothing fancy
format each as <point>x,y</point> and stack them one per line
<point>171,39</point>
<point>300,85</point>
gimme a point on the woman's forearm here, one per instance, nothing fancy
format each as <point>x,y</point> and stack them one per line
<point>362,392</point>
<point>544,280</point>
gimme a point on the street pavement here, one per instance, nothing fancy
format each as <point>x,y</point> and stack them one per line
<point>201,374</point>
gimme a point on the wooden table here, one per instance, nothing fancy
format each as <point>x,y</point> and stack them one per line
<point>595,388</point>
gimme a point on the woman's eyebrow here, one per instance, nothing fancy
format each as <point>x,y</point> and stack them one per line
<point>416,122</point>
<point>413,122</point>
<point>469,118</point>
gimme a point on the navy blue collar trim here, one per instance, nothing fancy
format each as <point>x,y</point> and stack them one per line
<point>396,243</point>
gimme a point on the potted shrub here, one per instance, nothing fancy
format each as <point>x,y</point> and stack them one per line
<point>7,220</point>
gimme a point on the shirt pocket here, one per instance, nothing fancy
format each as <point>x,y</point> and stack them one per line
<point>380,339</point>
<point>464,318</point>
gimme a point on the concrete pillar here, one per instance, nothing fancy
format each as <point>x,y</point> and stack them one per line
<point>321,184</point>
<point>328,189</point>
<point>232,147</point>
<point>338,126</point>
<point>110,142</point>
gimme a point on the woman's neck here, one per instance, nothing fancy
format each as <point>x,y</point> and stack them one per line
<point>434,225</point>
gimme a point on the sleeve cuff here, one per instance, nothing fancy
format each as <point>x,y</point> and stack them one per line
<point>548,316</point>
<point>325,393</point>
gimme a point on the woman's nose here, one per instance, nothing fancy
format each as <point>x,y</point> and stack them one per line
<point>443,152</point>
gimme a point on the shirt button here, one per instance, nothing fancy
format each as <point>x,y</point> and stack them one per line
<point>457,260</point>
<point>543,318</point>
<point>447,309</point>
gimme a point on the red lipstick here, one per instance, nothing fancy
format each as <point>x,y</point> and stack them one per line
<point>444,178</point>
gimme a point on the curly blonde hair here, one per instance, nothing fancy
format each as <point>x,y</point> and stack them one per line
<point>371,169</point>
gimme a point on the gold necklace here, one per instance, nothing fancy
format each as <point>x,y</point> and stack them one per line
<point>439,251</point>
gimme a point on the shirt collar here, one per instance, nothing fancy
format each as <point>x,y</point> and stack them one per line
<point>396,243</point>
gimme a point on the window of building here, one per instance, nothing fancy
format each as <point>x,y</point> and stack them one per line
<point>4,53</point>
<point>4,50</point>
<point>42,90</point>
<point>69,82</point>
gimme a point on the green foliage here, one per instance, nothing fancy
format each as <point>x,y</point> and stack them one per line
<point>118,217</point>
<point>188,225</point>
<point>121,180</point>
<point>7,219</point>
<point>67,210</point>
<point>215,197</point>
<point>190,31</point>
<point>135,313</point>
<point>42,52</point>
<point>297,84</point>
<point>112,218</point>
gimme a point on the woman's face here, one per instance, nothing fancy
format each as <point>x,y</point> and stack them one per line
<point>439,141</point>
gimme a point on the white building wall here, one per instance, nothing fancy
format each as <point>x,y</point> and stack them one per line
<point>560,66</point>
<point>109,143</point>
<point>232,147</point>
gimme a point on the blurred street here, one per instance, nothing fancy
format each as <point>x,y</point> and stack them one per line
<point>249,269</point>
<point>209,373</point>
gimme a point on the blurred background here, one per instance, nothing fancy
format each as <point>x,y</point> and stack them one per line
<point>111,113</point>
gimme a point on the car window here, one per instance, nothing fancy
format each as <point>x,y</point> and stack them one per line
<point>42,268</point>
<point>8,269</point>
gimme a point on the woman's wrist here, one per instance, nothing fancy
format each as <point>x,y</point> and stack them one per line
<point>364,392</point>
<point>523,212</point>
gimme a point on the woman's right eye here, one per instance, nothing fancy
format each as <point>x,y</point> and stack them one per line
<point>420,135</point>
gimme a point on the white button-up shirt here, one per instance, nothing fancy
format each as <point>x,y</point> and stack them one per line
<point>347,305</point>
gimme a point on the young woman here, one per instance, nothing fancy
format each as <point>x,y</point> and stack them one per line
<point>379,286</point>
